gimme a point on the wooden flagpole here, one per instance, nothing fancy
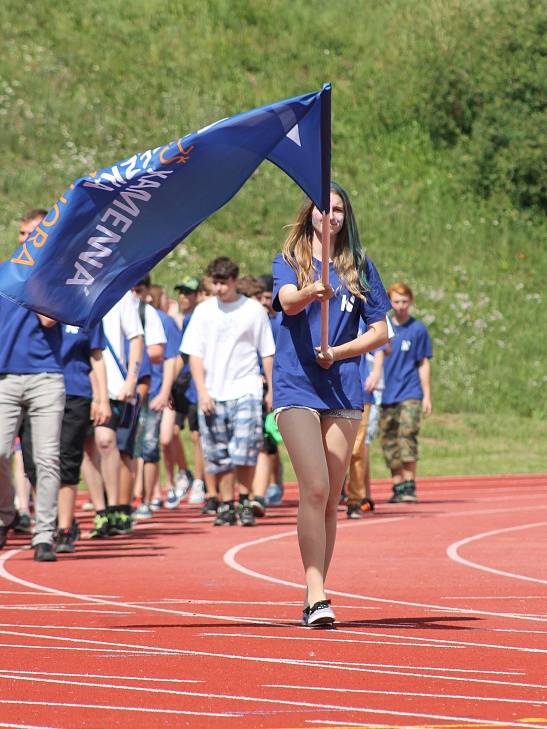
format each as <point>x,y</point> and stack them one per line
<point>325,250</point>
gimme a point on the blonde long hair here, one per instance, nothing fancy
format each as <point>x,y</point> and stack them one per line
<point>348,256</point>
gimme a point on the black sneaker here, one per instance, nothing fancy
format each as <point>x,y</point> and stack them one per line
<point>3,535</point>
<point>246,515</point>
<point>225,515</point>
<point>22,523</point>
<point>354,511</point>
<point>123,524</point>
<point>320,614</point>
<point>210,506</point>
<point>258,505</point>
<point>101,527</point>
<point>409,493</point>
<point>305,615</point>
<point>65,540</point>
<point>44,552</point>
<point>398,492</point>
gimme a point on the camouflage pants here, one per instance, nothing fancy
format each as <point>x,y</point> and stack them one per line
<point>399,427</point>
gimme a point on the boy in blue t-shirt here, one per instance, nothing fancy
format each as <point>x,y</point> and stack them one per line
<point>407,394</point>
<point>31,381</point>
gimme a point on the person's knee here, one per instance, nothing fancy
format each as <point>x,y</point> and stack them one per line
<point>105,441</point>
<point>315,494</point>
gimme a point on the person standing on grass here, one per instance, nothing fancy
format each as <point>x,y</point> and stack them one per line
<point>31,383</point>
<point>318,397</point>
<point>224,338</point>
<point>407,393</point>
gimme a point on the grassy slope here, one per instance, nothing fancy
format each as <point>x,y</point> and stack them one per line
<point>84,84</point>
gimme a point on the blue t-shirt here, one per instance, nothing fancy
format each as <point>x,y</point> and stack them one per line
<point>75,353</point>
<point>275,323</point>
<point>172,334</point>
<point>297,378</point>
<point>409,347</point>
<point>27,348</point>
<point>191,394</point>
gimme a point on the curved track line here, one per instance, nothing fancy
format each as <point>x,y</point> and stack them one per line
<point>230,560</point>
<point>452,552</point>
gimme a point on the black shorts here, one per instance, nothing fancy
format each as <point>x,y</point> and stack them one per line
<point>190,413</point>
<point>73,435</point>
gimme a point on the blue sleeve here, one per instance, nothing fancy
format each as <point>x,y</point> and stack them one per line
<point>282,274</point>
<point>423,348</point>
<point>377,303</point>
<point>97,339</point>
<point>172,332</point>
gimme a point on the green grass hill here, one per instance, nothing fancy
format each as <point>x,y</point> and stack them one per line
<point>438,127</point>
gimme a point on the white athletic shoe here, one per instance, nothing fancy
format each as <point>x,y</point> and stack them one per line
<point>172,500</point>
<point>320,614</point>
<point>183,481</point>
<point>197,492</point>
<point>143,512</point>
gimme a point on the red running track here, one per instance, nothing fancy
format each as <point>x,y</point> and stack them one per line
<point>442,610</point>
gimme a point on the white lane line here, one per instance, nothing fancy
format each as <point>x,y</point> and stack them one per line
<point>100,675</point>
<point>75,627</point>
<point>282,702</point>
<point>31,608</point>
<point>268,603</point>
<point>452,552</point>
<point>230,560</point>
<point>334,640</point>
<point>26,726</point>
<point>308,664</point>
<point>405,666</point>
<point>108,707</point>
<point>102,651</point>
<point>464,697</point>
<point>495,597</point>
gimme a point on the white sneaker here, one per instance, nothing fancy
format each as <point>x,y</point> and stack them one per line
<point>143,512</point>
<point>172,500</point>
<point>321,614</point>
<point>197,492</point>
<point>182,483</point>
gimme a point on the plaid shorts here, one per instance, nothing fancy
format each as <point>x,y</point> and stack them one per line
<point>232,436</point>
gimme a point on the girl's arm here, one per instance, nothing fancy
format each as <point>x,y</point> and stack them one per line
<point>294,300</point>
<point>374,377</point>
<point>375,336</point>
<point>100,405</point>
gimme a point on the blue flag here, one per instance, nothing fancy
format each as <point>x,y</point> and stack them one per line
<point>110,228</point>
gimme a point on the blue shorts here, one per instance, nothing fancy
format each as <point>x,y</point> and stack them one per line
<point>232,436</point>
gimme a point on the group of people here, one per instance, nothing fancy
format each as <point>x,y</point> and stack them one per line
<point>237,359</point>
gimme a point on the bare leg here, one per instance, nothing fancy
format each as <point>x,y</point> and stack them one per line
<point>127,477</point>
<point>92,475</point>
<point>109,455</point>
<point>262,474</point>
<point>168,431</point>
<point>226,484</point>
<point>409,470</point>
<point>338,438</point>
<point>150,475</point>
<point>303,437</point>
<point>22,484</point>
<point>199,462</point>
<point>67,501</point>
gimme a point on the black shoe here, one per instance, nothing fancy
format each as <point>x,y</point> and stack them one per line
<point>409,493</point>
<point>22,523</point>
<point>101,527</point>
<point>305,615</point>
<point>225,515</point>
<point>210,506</point>
<point>124,524</point>
<point>258,505</point>
<point>320,614</point>
<point>398,492</point>
<point>65,541</point>
<point>246,515</point>
<point>44,552</point>
<point>3,535</point>
<point>354,511</point>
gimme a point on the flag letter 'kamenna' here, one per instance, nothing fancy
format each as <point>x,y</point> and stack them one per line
<point>110,228</point>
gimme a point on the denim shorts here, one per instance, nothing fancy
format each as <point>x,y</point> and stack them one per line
<point>147,440</point>
<point>347,413</point>
<point>232,435</point>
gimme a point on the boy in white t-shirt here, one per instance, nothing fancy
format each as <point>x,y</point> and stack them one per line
<point>223,338</point>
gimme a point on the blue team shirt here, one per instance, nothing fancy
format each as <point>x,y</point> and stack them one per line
<point>191,393</point>
<point>297,378</point>
<point>27,348</point>
<point>75,353</point>
<point>409,347</point>
<point>172,334</point>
